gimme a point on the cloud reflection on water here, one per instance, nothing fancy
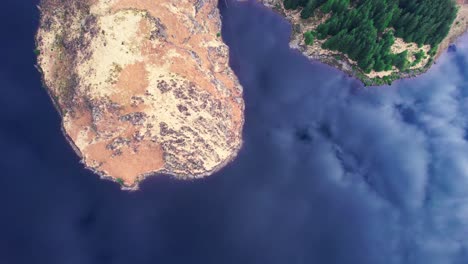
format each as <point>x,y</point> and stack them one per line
<point>329,172</point>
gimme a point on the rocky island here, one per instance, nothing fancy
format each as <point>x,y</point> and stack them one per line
<point>377,41</point>
<point>142,86</point>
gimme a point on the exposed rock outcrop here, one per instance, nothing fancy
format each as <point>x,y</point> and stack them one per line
<point>143,86</point>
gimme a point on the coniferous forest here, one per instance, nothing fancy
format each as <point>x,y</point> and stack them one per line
<point>366,29</point>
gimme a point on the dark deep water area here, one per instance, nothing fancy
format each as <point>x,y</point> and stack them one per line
<point>330,172</point>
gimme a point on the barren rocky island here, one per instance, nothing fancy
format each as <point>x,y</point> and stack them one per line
<point>142,86</point>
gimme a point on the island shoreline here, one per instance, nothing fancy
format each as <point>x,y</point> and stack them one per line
<point>345,65</point>
<point>139,178</point>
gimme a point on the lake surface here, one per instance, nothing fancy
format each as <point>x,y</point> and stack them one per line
<point>330,172</point>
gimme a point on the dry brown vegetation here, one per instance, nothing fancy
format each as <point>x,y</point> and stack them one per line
<point>144,86</point>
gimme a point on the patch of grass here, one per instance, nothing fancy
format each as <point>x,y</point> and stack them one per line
<point>120,181</point>
<point>309,37</point>
<point>37,52</point>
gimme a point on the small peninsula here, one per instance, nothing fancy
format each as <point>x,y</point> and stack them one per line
<point>377,41</point>
<point>142,86</point>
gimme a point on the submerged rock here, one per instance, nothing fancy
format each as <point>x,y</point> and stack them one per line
<point>143,86</point>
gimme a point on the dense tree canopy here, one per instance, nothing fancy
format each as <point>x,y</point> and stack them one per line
<point>424,21</point>
<point>365,29</point>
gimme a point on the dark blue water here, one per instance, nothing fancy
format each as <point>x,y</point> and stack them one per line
<point>330,172</point>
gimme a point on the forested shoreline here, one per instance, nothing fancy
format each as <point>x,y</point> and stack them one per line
<point>365,30</point>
